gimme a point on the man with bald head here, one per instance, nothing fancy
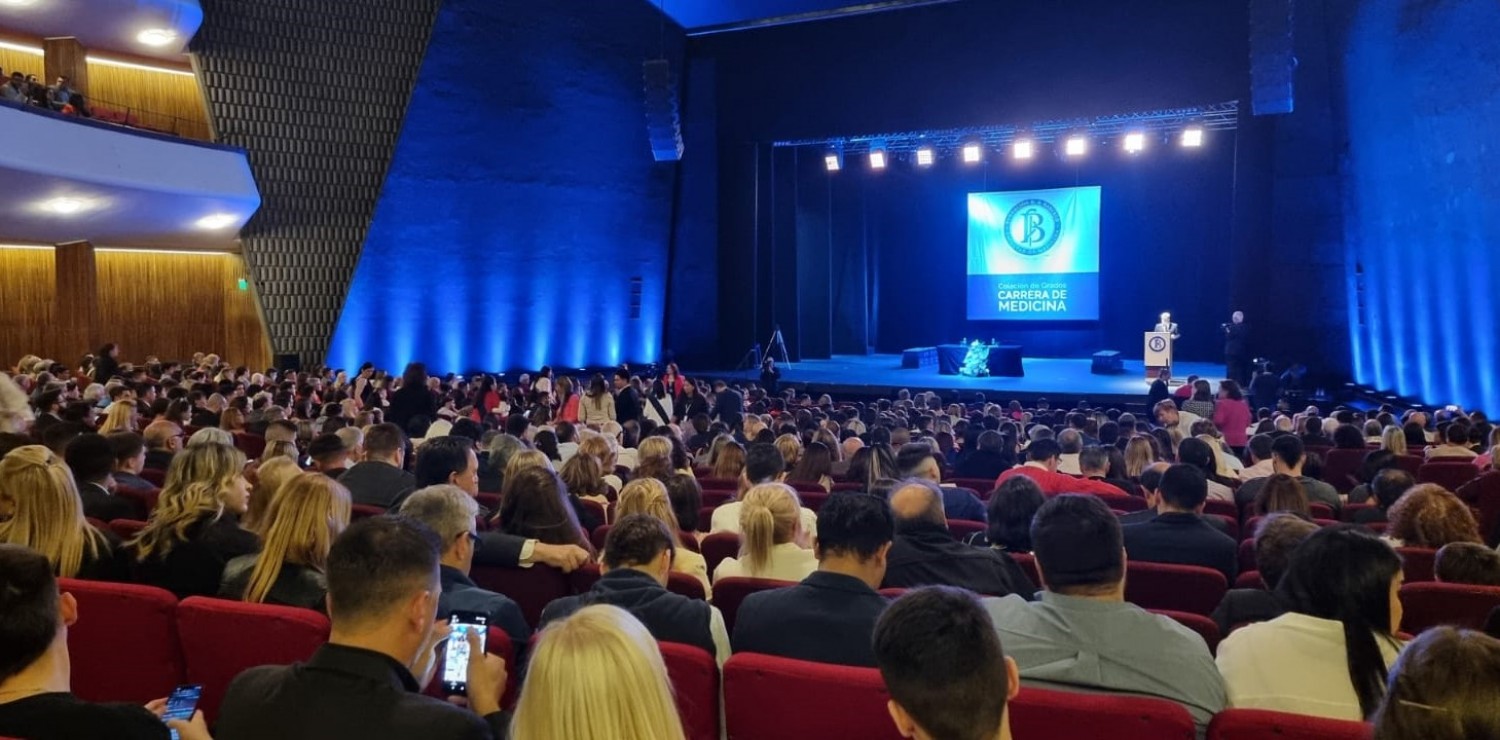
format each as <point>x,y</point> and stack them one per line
<point>926,554</point>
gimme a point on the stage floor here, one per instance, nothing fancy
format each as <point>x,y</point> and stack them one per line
<point>882,375</point>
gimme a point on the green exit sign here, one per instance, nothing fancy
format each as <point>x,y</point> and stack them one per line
<point>242,284</point>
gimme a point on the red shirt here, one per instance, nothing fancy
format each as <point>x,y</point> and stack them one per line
<point>1056,483</point>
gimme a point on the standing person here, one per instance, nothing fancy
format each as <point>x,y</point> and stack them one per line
<point>770,376</point>
<point>658,405</point>
<point>107,363</point>
<point>627,398</point>
<point>1159,390</point>
<point>413,398</point>
<point>729,405</point>
<point>1234,347</point>
<point>1165,324</point>
<point>1232,415</point>
<point>597,406</point>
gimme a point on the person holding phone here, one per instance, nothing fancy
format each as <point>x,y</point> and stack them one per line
<point>35,697</point>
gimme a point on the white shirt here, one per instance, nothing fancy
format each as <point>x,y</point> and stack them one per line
<point>1294,663</point>
<point>1262,469</point>
<point>1067,462</point>
<point>727,519</point>
<point>666,405</point>
<point>627,457</point>
<point>1219,492</point>
<point>788,563</point>
<point>566,451</point>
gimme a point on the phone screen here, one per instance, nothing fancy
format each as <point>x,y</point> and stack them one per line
<point>456,657</point>
<point>182,703</point>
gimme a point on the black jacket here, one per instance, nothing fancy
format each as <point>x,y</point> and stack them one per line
<point>1183,539</point>
<point>411,401</point>
<point>687,407</point>
<point>344,692</point>
<point>985,464</point>
<point>1244,605</point>
<point>374,483</point>
<point>62,716</point>
<point>100,504</point>
<point>827,618</point>
<point>158,460</point>
<point>194,567</point>
<point>669,617</point>
<point>729,407</point>
<point>1234,340</point>
<point>627,405</point>
<point>926,554</point>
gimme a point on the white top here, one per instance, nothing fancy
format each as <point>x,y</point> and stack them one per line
<point>566,451</point>
<point>693,564</point>
<point>1262,469</point>
<point>1219,492</point>
<point>1294,663</point>
<point>1067,462</point>
<point>788,563</point>
<point>650,411</point>
<point>727,519</point>
<point>627,457</point>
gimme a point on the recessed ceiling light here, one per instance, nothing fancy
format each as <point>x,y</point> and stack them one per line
<point>18,3</point>
<point>65,206</point>
<point>217,221</point>
<point>156,36</point>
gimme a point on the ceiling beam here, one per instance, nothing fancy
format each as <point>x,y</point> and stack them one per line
<point>878,6</point>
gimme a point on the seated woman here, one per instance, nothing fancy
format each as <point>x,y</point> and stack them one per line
<point>597,675</point>
<point>1443,688</point>
<point>1282,492</point>
<point>649,496</point>
<point>730,461</point>
<point>270,477</point>
<point>196,529</point>
<point>301,525</point>
<point>40,509</point>
<point>687,500</point>
<point>654,459</point>
<point>584,479</point>
<point>816,466</point>
<point>770,537</point>
<point>121,417</point>
<point>1328,655</point>
<point>535,505</point>
<point>1430,516</point>
<point>602,448</point>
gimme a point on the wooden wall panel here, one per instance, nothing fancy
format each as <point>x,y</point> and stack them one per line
<point>26,294</point>
<point>12,60</point>
<point>75,312</point>
<point>159,100</point>
<point>245,337</point>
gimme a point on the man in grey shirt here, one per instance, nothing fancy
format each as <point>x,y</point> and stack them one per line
<point>1288,456</point>
<point>1082,635</point>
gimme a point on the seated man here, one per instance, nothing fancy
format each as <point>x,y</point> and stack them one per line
<point>1070,444</point>
<point>451,513</point>
<point>1468,563</point>
<point>380,480</point>
<point>1041,466</point>
<point>943,665</point>
<point>383,595</point>
<point>1261,463</point>
<point>1178,534</point>
<point>763,464</point>
<point>1288,456</point>
<point>1082,634</point>
<point>35,700</point>
<point>827,617</point>
<point>329,455</point>
<point>925,553</point>
<point>92,460</point>
<point>637,561</point>
<point>1276,537</point>
<point>1454,447</point>
<point>918,460</point>
<point>163,440</point>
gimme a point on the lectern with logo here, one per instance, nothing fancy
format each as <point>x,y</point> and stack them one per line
<point>1158,353</point>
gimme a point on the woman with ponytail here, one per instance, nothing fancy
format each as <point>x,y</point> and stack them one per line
<point>771,537</point>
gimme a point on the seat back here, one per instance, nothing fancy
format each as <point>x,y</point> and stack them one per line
<point>156,477</point>
<point>1410,463</point>
<point>364,511</point>
<point>598,536</point>
<point>1418,563</point>
<point>126,528</point>
<point>1250,579</point>
<point>531,588</point>
<point>962,528</point>
<point>597,508</point>
<point>712,498</point>
<point>813,500</point>
<point>1065,715</point>
<point>717,547</point>
<point>811,700</point>
<point>729,593</point>
<point>1183,588</point>
<point>124,645</point>
<point>1027,561</point>
<point>1487,500</point>
<point>221,638</point>
<point>1431,604</point>
<point>253,445</point>
<point>695,685</point>
<point>1258,724</point>
<point>719,484</point>
<point>1221,508</point>
<point>1341,468</point>
<point>1449,475</point>
<point>1205,627</point>
<point>146,498</point>
<point>1247,555</point>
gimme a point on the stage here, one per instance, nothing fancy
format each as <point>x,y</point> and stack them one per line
<point>843,376</point>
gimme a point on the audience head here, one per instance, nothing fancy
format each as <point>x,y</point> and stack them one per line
<point>1093,462</point>
<point>270,477</point>
<point>855,528</point>
<point>643,542</point>
<point>583,476</point>
<point>1287,454</point>
<point>40,509</point>
<point>130,452</point>
<point>918,461</point>
<point>301,525</point>
<point>1468,563</point>
<point>383,585</point>
<point>1079,547</point>
<point>1197,453</point>
<point>91,458</point>
<point>448,511</point>
<point>210,436</point>
<point>1011,507</point>
<point>770,515</point>
<point>763,464</point>
<point>1389,485</point>
<point>1430,516</point>
<point>36,615</point>
<point>941,660</point>
<point>1276,537</point>
<point>1045,452</point>
<point>163,435</point>
<point>1184,487</point>
<point>448,460</point>
<point>649,496</point>
<point>203,482</point>
<point>1282,492</point>
<point>1442,687</point>
<point>597,675</point>
<point>387,443</point>
<point>918,503</point>
<point>535,504</point>
<point>686,497</point>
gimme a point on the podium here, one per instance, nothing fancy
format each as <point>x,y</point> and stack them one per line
<point>1158,353</point>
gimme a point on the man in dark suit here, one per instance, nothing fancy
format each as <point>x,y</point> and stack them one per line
<point>1235,334</point>
<point>925,553</point>
<point>729,406</point>
<point>830,616</point>
<point>1178,534</point>
<point>627,399</point>
<point>988,460</point>
<point>367,680</point>
<point>163,441</point>
<point>917,460</point>
<point>380,480</point>
<point>91,458</point>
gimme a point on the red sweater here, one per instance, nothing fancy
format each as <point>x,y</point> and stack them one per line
<point>1055,483</point>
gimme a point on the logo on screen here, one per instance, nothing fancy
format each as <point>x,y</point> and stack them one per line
<point>1032,227</point>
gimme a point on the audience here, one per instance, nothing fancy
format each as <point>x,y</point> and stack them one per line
<point>380,479</point>
<point>130,459</point>
<point>536,506</point>
<point>1276,537</point>
<point>1178,535</point>
<point>1386,488</point>
<point>1082,635</point>
<point>329,455</point>
<point>307,516</point>
<point>637,558</point>
<point>830,615</point>
<point>163,440</point>
<point>942,662</point>
<point>1288,457</point>
<point>1442,687</point>
<point>195,529</point>
<point>1327,656</point>
<point>918,461</point>
<point>1281,492</point>
<point>1012,505</point>
<point>40,508</point>
<point>763,464</point>
<point>1430,516</point>
<point>649,496</point>
<point>91,458</point>
<point>270,477</point>
<point>687,499</point>
<point>1467,563</point>
<point>926,554</point>
<point>772,538</point>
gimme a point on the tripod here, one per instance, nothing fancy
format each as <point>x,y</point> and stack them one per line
<point>775,349</point>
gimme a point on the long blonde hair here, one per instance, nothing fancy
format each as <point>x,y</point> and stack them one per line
<point>1394,439</point>
<point>601,447</point>
<point>597,675</point>
<point>649,496</point>
<point>121,417</point>
<point>770,515</point>
<point>790,447</point>
<point>42,510</point>
<point>270,479</point>
<point>1139,455</point>
<point>195,486</point>
<point>300,528</point>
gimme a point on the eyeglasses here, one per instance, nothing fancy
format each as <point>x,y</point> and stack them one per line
<point>473,538</point>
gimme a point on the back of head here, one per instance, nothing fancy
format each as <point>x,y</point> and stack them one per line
<point>1010,510</point>
<point>1094,460</point>
<point>943,665</point>
<point>1197,453</point>
<point>384,440</point>
<point>647,496</point>
<point>196,483</point>
<point>1042,450</point>
<point>1344,573</point>
<point>686,497</point>
<point>856,525</point>
<point>1468,563</point>
<point>1260,446</point>
<point>447,510</point>
<point>912,458</point>
<point>29,601</point>
<point>1070,441</point>
<point>916,502</point>
<point>1442,687</point>
<point>328,449</point>
<point>637,540</point>
<point>440,457</point>
<point>597,675</point>
<point>1288,450</point>
<point>1389,485</point>
<point>375,567</point>
<point>1183,486</point>
<point>770,515</point>
<point>1079,546</point>
<point>1431,516</point>
<point>1282,492</point>
<point>1276,538</point>
<point>90,457</point>
<point>535,504</point>
<point>763,463</point>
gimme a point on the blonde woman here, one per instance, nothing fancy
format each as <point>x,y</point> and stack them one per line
<point>790,446</point>
<point>279,448</point>
<point>1139,455</point>
<point>121,417</point>
<point>655,458</point>
<point>300,528</point>
<point>211,436</point>
<point>649,496</point>
<point>1394,439</point>
<point>731,460</point>
<point>602,448</point>
<point>15,410</point>
<point>771,530</point>
<point>40,509</point>
<point>597,675</point>
<point>195,529</point>
<point>271,477</point>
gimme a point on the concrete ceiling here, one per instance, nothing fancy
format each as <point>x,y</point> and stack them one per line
<point>700,17</point>
<point>108,25</point>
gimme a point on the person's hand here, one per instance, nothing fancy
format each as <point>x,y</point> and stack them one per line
<point>192,729</point>
<point>566,557</point>
<point>486,679</point>
<point>426,662</point>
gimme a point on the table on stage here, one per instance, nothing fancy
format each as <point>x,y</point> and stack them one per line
<point>1004,359</point>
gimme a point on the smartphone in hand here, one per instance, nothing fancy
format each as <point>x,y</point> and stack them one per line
<point>456,655</point>
<point>182,703</point>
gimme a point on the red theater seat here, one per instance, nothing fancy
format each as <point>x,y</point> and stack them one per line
<point>1247,555</point>
<point>1064,715</point>
<point>1250,579</point>
<point>718,547</point>
<point>597,508</point>
<point>124,645</point>
<point>719,484</point>
<point>1411,463</point>
<point>1220,508</point>
<point>364,511</point>
<point>222,638</point>
<point>695,685</point>
<point>984,487</point>
<point>1341,468</point>
<point>813,500</point>
<point>531,588</point>
<point>598,536</point>
<point>145,497</point>
<point>729,593</point>
<point>1027,561</point>
<point>1449,475</point>
<point>1205,627</point>
<point>1257,724</point>
<point>1455,604</point>
<point>717,498</point>
<point>253,445</point>
<point>811,701</point>
<point>126,528</point>
<point>1183,588</point>
<point>157,477</point>
<point>962,528</point>
<point>1417,563</point>
<point>584,579</point>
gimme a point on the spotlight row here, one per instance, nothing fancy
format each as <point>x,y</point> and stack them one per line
<point>1025,148</point>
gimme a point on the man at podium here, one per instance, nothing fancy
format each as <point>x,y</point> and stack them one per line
<point>1167,326</point>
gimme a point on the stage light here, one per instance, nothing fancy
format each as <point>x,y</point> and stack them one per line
<point>156,36</point>
<point>834,160</point>
<point>972,153</point>
<point>65,206</point>
<point>1135,141</point>
<point>1076,146</point>
<point>877,159</point>
<point>925,156</point>
<point>1192,136</point>
<point>1023,149</point>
